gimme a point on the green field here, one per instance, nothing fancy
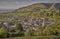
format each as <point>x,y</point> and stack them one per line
<point>37,37</point>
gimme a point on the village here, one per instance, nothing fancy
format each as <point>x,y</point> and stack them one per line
<point>26,22</point>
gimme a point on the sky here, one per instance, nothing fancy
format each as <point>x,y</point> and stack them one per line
<point>15,4</point>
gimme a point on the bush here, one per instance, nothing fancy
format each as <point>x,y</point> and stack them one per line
<point>3,32</point>
<point>30,32</point>
<point>49,30</point>
<point>14,33</point>
<point>21,33</point>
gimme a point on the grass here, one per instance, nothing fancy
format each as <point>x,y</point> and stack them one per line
<point>35,37</point>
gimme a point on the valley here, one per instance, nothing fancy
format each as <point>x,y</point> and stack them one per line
<point>40,19</point>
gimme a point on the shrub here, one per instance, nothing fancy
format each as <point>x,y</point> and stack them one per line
<point>3,32</point>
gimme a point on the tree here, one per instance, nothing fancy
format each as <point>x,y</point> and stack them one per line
<point>3,32</point>
<point>50,30</point>
<point>30,32</point>
<point>18,26</point>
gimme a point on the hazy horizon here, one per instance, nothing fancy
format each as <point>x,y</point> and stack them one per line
<point>14,4</point>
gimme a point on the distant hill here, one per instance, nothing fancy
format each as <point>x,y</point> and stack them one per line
<point>6,10</point>
<point>37,7</point>
<point>32,7</point>
<point>38,10</point>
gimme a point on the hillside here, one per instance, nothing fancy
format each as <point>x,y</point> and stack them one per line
<point>37,10</point>
<point>38,7</point>
<point>32,7</point>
